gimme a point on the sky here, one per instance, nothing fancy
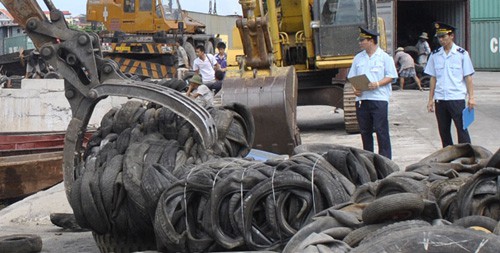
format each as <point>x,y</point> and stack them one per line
<point>224,7</point>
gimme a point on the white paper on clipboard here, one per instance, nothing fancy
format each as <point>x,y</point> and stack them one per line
<point>360,82</point>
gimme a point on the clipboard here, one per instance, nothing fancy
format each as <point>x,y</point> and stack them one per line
<point>360,82</point>
<point>467,117</point>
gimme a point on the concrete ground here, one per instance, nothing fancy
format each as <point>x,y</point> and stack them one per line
<point>413,134</point>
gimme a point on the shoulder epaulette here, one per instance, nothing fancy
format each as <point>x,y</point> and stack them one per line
<point>460,50</point>
<point>436,50</point>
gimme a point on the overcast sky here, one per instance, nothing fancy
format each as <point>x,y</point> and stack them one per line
<point>224,7</point>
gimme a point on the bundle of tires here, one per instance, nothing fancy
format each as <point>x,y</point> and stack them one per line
<point>447,202</point>
<point>148,184</point>
<point>137,153</point>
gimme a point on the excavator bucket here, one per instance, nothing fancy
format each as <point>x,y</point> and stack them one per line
<point>273,101</point>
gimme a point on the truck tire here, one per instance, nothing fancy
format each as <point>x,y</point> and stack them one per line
<point>21,243</point>
<point>445,239</point>
<point>350,119</point>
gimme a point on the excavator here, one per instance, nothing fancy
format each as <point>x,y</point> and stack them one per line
<point>90,78</point>
<point>141,34</point>
<point>297,52</point>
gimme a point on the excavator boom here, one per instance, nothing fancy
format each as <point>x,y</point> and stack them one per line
<point>89,78</point>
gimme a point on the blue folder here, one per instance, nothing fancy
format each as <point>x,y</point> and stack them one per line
<point>467,117</point>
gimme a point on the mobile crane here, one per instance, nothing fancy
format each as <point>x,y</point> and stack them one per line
<point>141,34</point>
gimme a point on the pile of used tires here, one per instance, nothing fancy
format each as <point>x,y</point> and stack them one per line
<point>148,183</point>
<point>447,202</point>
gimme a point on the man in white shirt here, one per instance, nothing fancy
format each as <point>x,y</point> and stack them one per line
<point>451,87</point>
<point>204,65</point>
<point>423,49</point>
<point>372,106</point>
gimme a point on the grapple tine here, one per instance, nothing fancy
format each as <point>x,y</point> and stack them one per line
<point>194,113</point>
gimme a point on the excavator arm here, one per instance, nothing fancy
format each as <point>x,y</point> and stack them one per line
<point>89,78</point>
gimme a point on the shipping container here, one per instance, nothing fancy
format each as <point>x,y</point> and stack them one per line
<point>407,19</point>
<point>485,45</point>
<point>484,10</point>
<point>16,44</point>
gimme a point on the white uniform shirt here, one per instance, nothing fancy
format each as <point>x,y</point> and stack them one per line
<point>450,72</point>
<point>376,67</point>
<point>206,68</point>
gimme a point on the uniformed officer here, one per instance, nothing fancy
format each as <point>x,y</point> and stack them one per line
<point>372,106</point>
<point>451,70</point>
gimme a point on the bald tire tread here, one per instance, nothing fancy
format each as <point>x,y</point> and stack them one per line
<point>356,236</point>
<point>384,209</point>
<point>443,239</point>
<point>20,243</point>
<point>394,228</point>
<point>317,226</point>
<point>350,118</point>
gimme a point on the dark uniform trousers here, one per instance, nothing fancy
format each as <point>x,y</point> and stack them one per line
<point>373,117</point>
<point>447,110</point>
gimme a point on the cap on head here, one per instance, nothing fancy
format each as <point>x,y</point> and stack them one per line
<point>424,36</point>
<point>443,29</point>
<point>367,34</point>
<point>196,79</point>
<point>400,49</point>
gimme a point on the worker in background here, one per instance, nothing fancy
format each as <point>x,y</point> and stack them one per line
<point>406,67</point>
<point>372,106</point>
<point>33,67</point>
<point>205,65</point>
<point>221,58</point>
<point>199,91</point>
<point>182,58</point>
<point>451,70</point>
<point>219,77</point>
<point>423,48</point>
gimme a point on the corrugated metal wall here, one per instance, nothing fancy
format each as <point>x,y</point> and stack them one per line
<point>485,9</point>
<point>385,11</point>
<point>450,12</point>
<point>453,12</point>
<point>485,46</point>
<point>216,24</point>
<point>485,34</point>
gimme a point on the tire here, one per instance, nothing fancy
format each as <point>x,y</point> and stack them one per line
<point>443,239</point>
<point>350,118</point>
<point>396,207</point>
<point>425,81</point>
<point>190,53</point>
<point>476,221</point>
<point>21,243</point>
<point>397,227</point>
<point>111,243</point>
<point>356,236</point>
